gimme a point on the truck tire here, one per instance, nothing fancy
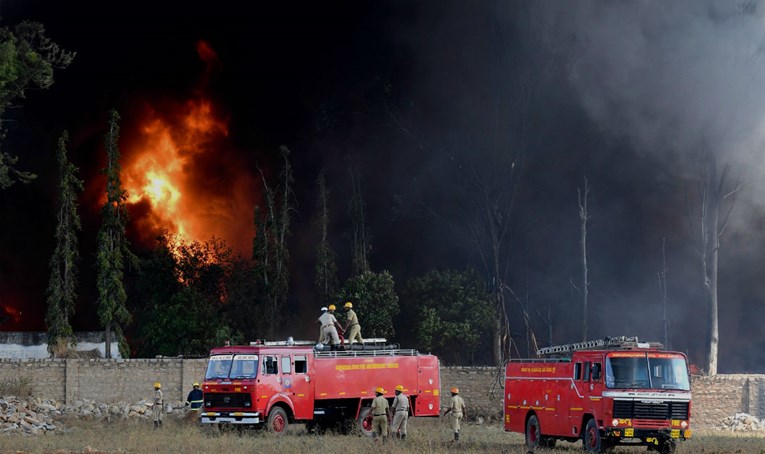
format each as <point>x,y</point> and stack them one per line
<point>667,447</point>
<point>277,421</point>
<point>591,437</point>
<point>533,432</point>
<point>364,423</point>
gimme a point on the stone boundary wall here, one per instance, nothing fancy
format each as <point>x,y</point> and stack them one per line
<point>130,380</point>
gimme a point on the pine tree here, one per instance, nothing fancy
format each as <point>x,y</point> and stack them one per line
<point>63,263</point>
<point>113,253</point>
<point>326,269</point>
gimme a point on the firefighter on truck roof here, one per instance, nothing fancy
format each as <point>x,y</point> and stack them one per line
<point>380,412</point>
<point>329,326</point>
<point>456,411</point>
<point>352,323</point>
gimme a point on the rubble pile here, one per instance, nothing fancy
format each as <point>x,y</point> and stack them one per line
<point>741,422</point>
<point>35,416</point>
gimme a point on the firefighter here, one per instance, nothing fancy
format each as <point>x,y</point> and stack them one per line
<point>380,413</point>
<point>400,409</point>
<point>322,339</point>
<point>156,409</point>
<point>329,326</point>
<point>456,411</point>
<point>352,323</point>
<point>195,398</point>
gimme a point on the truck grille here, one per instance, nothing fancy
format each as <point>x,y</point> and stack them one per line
<point>640,410</point>
<point>225,400</point>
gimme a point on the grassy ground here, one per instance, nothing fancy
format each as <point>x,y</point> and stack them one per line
<point>425,436</point>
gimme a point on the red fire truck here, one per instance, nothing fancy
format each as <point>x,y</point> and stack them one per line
<point>273,384</point>
<point>615,391</point>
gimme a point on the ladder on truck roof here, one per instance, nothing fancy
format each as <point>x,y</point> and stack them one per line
<point>622,342</point>
<point>375,341</point>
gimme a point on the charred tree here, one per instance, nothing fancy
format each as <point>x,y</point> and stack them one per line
<point>361,246</point>
<point>326,269</point>
<point>582,194</point>
<point>662,276</point>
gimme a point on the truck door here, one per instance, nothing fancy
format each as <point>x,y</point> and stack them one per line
<point>575,398</point>
<point>269,382</point>
<point>298,382</point>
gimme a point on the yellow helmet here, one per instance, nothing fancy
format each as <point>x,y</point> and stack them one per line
<point>455,390</point>
<point>348,305</point>
<point>332,307</point>
<point>380,390</point>
<point>157,384</point>
<point>196,385</point>
<point>399,387</point>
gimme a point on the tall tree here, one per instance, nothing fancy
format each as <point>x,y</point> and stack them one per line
<point>27,60</point>
<point>62,286</point>
<point>272,231</point>
<point>584,216</point>
<point>326,269</point>
<point>662,276</point>
<point>360,246</point>
<point>716,191</point>
<point>113,253</point>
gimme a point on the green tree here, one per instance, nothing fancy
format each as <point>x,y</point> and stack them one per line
<point>374,301</point>
<point>454,311</point>
<point>62,294</point>
<point>27,60</point>
<point>113,252</point>
<point>182,286</point>
<point>326,269</point>
<point>270,251</point>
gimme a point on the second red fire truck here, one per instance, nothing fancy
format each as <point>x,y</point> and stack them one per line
<point>273,384</point>
<point>616,391</point>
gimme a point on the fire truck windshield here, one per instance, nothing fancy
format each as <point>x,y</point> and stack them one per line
<point>233,367</point>
<point>647,371</point>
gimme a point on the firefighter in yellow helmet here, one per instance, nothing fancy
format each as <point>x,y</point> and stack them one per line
<point>195,398</point>
<point>380,412</point>
<point>352,323</point>
<point>400,409</point>
<point>156,409</point>
<point>456,410</point>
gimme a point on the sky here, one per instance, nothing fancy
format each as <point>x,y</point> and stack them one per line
<point>417,95</point>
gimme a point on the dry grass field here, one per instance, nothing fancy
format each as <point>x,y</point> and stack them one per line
<point>426,436</point>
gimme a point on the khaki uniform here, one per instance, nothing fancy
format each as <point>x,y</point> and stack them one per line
<point>353,327</point>
<point>400,408</point>
<point>328,329</point>
<point>156,409</point>
<point>457,407</point>
<point>380,416</point>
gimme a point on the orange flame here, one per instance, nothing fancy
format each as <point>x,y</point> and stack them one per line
<point>187,179</point>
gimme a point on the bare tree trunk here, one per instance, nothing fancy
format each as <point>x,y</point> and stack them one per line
<point>583,217</point>
<point>108,341</point>
<point>662,275</point>
<point>713,195</point>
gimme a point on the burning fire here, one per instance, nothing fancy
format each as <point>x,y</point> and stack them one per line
<point>184,176</point>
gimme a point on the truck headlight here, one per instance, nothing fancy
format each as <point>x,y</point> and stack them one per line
<point>615,422</point>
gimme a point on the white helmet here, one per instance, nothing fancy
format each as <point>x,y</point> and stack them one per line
<point>324,308</point>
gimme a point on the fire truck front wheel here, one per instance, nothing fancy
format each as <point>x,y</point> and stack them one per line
<point>277,421</point>
<point>593,443</point>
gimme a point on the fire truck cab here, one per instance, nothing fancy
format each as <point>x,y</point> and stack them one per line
<point>273,384</point>
<point>615,391</point>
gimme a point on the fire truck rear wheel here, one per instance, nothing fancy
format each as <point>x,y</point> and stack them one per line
<point>364,423</point>
<point>278,421</point>
<point>533,433</point>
